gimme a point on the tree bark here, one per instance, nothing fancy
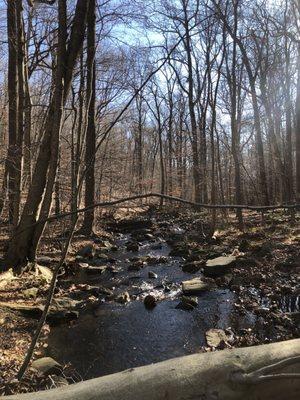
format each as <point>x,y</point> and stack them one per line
<point>298,131</point>
<point>12,105</point>
<point>191,104</point>
<point>268,372</point>
<point>24,242</point>
<point>88,222</point>
<point>235,134</point>
<point>288,117</point>
<point>56,127</point>
<point>21,105</point>
<point>262,177</point>
<point>27,117</point>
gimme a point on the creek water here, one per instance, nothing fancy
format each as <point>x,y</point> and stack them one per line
<point>116,336</point>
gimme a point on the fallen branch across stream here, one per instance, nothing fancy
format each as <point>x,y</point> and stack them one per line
<point>179,200</point>
<point>267,372</point>
<point>198,206</point>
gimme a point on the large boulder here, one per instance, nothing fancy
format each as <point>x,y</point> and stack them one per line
<point>219,266</point>
<point>63,310</point>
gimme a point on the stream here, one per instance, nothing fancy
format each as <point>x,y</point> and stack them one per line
<point>115,337</point>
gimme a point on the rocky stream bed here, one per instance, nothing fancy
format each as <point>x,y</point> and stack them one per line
<point>155,288</point>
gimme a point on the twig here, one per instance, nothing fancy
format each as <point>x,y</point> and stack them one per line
<point>49,299</point>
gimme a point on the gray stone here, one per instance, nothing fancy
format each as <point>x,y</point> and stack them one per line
<point>112,269</point>
<point>163,260</point>
<point>44,260</point>
<point>157,246</point>
<point>47,366</point>
<point>100,258</point>
<point>123,298</point>
<point>192,267</point>
<point>6,277</point>
<point>104,290</point>
<point>194,286</point>
<point>91,270</point>
<point>132,246</point>
<point>44,272</point>
<point>34,311</point>
<point>218,266</point>
<point>188,303</point>
<point>137,266</point>
<point>150,301</point>
<point>83,265</point>
<point>31,292</point>
<point>149,236</point>
<point>87,251</point>
<point>65,303</point>
<point>216,337</point>
<point>180,251</point>
<point>61,317</point>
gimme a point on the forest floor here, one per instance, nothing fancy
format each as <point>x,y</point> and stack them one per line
<point>119,301</point>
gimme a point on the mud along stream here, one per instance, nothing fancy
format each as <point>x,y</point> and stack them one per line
<point>120,332</point>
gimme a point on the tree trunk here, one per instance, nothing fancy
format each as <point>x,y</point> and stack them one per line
<point>298,132</point>
<point>22,246</point>
<point>271,129</point>
<point>288,113</point>
<point>235,134</point>
<point>191,105</point>
<point>139,144</point>
<point>13,60</point>
<point>259,372</point>
<point>21,104</point>
<point>262,177</point>
<point>78,132</point>
<point>56,127</point>
<point>88,222</point>
<point>27,118</point>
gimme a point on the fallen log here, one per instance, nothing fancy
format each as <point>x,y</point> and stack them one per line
<point>107,204</point>
<point>262,372</point>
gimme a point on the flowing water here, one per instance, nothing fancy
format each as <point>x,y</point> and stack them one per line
<point>116,336</point>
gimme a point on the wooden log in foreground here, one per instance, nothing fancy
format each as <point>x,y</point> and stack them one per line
<point>263,372</point>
